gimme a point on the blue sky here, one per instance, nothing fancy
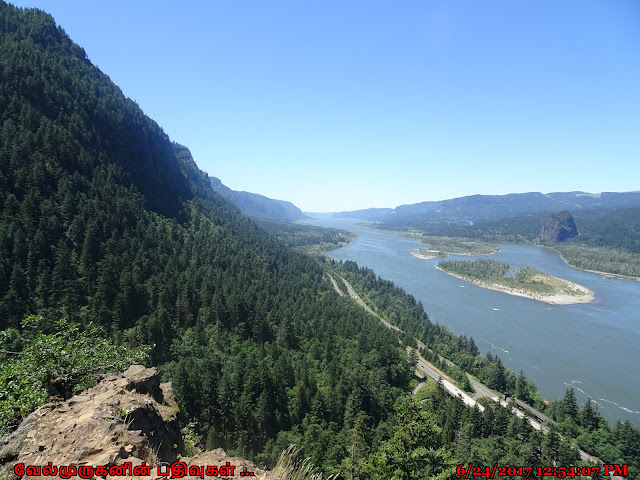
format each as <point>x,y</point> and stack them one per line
<point>341,105</point>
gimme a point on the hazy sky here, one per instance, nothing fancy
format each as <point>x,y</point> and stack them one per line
<point>340,105</point>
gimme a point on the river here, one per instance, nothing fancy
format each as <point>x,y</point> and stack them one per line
<point>594,348</point>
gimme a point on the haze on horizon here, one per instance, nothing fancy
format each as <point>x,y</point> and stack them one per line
<point>338,106</point>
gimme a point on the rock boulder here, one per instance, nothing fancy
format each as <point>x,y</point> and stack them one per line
<point>128,417</point>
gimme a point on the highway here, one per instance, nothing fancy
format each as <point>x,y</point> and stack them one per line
<point>423,365</point>
<point>335,286</point>
<point>446,383</point>
<point>355,296</point>
<point>481,390</point>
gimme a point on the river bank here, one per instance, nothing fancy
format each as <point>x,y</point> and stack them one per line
<point>587,295</point>
<point>599,272</point>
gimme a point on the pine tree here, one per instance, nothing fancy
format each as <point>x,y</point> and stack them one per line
<point>569,406</point>
<point>415,449</point>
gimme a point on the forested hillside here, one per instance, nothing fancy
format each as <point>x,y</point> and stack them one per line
<point>608,239</point>
<point>259,206</point>
<point>618,229</point>
<point>487,208</point>
<point>309,239</point>
<point>102,222</point>
<point>108,224</point>
<point>608,224</point>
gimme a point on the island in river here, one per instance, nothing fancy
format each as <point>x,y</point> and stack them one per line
<point>523,282</point>
<point>443,246</point>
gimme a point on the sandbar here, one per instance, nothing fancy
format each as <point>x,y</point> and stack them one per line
<point>435,254</point>
<point>423,256</point>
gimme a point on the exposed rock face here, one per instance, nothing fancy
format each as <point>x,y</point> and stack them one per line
<point>259,206</point>
<point>130,417</point>
<point>559,227</point>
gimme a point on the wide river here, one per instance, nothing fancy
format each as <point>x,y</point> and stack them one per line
<point>594,348</point>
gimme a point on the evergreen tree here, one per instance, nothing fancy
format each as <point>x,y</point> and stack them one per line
<point>415,449</point>
<point>569,406</point>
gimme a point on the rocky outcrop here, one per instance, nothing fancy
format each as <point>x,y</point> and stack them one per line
<point>127,419</point>
<point>559,227</point>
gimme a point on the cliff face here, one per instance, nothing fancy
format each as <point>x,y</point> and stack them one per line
<point>559,227</point>
<point>259,206</point>
<point>127,418</point>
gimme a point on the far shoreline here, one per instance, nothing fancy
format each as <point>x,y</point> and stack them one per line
<point>559,299</point>
<point>599,272</point>
<point>605,274</point>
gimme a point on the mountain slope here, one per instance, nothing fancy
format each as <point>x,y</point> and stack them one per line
<point>482,208</point>
<point>103,219</point>
<point>259,206</point>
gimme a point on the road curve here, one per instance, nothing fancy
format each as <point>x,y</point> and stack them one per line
<point>335,286</point>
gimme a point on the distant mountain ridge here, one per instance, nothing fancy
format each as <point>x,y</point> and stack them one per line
<point>249,204</point>
<point>476,208</point>
<point>255,205</point>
